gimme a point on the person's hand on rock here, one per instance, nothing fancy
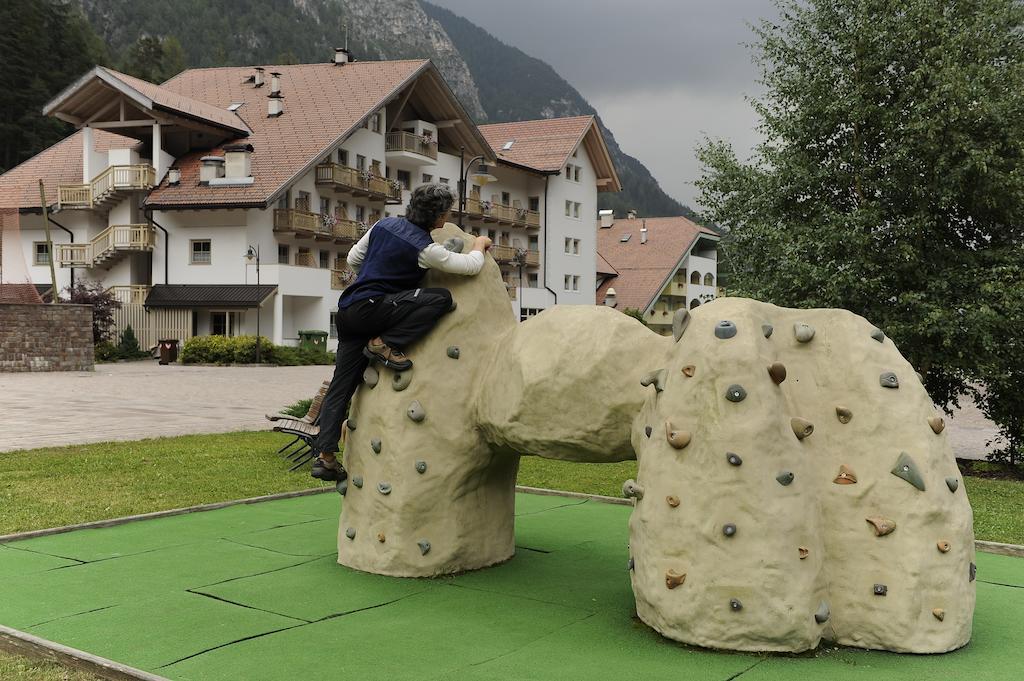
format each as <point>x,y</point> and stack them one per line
<point>482,243</point>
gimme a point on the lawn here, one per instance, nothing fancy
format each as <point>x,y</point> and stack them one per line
<point>66,485</point>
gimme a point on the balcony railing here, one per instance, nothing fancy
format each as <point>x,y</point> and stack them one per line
<point>106,186</point>
<point>306,259</point>
<point>407,141</point>
<point>532,258</point>
<point>306,223</point>
<point>107,246</point>
<point>341,277</point>
<point>496,212</point>
<point>130,295</point>
<point>503,254</point>
<point>357,182</point>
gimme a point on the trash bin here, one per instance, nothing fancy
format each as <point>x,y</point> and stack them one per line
<point>313,340</point>
<point>168,350</point>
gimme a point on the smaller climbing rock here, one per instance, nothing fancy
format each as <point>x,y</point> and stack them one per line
<point>767,330</point>
<point>424,546</point>
<point>350,533</point>
<point>725,329</point>
<point>803,552</point>
<point>822,614</point>
<point>342,487</point>
<point>401,380</point>
<point>888,380</point>
<point>676,438</point>
<point>939,614</point>
<point>674,579</point>
<point>729,529</point>
<point>416,412</point>
<point>380,537</point>
<point>883,526</point>
<point>735,605</point>
<point>657,378</point>
<point>384,488</point>
<point>680,320</point>
<point>877,335</point>
<point>453,351</point>
<point>375,445</point>
<point>803,332</point>
<point>689,370</point>
<point>906,469</point>
<point>937,423</point>
<point>844,415</point>
<point>846,476</point>
<point>735,393</point>
<point>777,371</point>
<point>648,430</point>
<point>672,500</point>
<point>631,490</point>
<point>943,546</point>
<point>733,459</point>
<point>421,467</point>
<point>784,478</point>
<point>880,589</point>
<point>370,376</point>
<point>802,428</point>
<point>358,481</point>
<point>952,483</point>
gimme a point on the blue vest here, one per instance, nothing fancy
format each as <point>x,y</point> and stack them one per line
<point>391,263</point>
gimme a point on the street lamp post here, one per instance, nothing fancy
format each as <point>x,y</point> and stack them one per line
<point>253,254</point>
<point>481,176</point>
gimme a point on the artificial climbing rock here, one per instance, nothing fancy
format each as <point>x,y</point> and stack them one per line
<point>767,330</point>
<point>400,380</point>
<point>416,411</point>
<point>846,476</point>
<point>453,351</point>
<point>777,372</point>
<point>801,427</point>
<point>844,415</point>
<point>677,438</point>
<point>735,393</point>
<point>375,445</point>
<point>803,332</point>
<point>906,469</point>
<point>883,526</point>
<point>888,379</point>
<point>937,424</point>
<point>725,329</point>
<point>674,579</point>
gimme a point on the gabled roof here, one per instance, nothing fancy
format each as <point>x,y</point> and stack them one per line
<point>643,269</point>
<point>604,267</point>
<point>59,164</point>
<point>209,295</point>
<point>545,145</point>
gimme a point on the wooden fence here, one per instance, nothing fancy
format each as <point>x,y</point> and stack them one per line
<point>153,325</point>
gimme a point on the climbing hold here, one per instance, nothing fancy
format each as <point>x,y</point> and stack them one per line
<point>401,380</point>
<point>342,487</point>
<point>415,411</point>
<point>844,415</point>
<point>777,371</point>
<point>952,483</point>
<point>846,476</point>
<point>358,481</point>
<point>943,546</point>
<point>655,377</point>
<point>784,478</point>
<point>680,320</point>
<point>729,529</point>
<point>647,431</point>
<point>906,468</point>
<point>424,546</point>
<point>939,614</point>
<point>350,423</point>
<point>688,370</point>
<point>370,376</point>
<point>767,330</point>
<point>384,488</point>
<point>888,380</point>
<point>878,335</point>
<point>801,427</point>
<point>735,604</point>
<point>375,445</point>
<point>725,329</point>
<point>631,490</point>
<point>880,589</point>
<point>630,565</point>
<point>421,467</point>
<point>455,244</point>
<point>883,526</point>
<point>803,332</point>
<point>672,500</point>
<point>380,537</point>
<point>453,351</point>
<point>937,424</point>
<point>733,459</point>
<point>803,551</point>
<point>735,393</point>
<point>674,579</point>
<point>822,614</point>
<point>676,438</point>
<point>350,533</point>
<point>972,572</point>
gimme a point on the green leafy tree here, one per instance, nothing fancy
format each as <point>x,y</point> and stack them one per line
<point>890,179</point>
<point>128,345</point>
<point>155,59</point>
<point>103,305</point>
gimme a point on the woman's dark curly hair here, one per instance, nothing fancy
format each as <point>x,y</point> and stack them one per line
<point>428,203</point>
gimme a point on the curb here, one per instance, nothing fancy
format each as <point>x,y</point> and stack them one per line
<point>15,641</point>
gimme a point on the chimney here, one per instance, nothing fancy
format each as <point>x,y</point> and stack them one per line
<point>631,215</point>
<point>643,232</point>
<point>275,107</point>
<point>238,159</point>
<point>174,177</point>
<point>275,84</point>
<point>341,56</point>
<point>607,218</point>
<point>212,167</point>
<point>609,297</point>
<point>257,77</point>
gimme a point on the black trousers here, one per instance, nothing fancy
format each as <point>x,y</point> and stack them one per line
<point>400,319</point>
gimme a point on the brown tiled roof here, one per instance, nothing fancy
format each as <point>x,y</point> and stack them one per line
<point>643,268</point>
<point>604,267</point>
<point>322,103</point>
<point>59,164</point>
<point>543,144</point>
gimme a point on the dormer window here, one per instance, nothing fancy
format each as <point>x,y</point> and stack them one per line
<point>235,106</point>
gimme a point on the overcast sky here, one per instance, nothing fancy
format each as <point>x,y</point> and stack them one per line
<point>662,73</point>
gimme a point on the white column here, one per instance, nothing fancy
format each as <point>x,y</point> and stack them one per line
<point>87,147</point>
<point>157,152</point>
<point>277,333</point>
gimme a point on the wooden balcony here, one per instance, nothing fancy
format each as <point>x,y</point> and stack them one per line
<point>130,295</point>
<point>503,254</point>
<point>106,188</point>
<point>488,211</point>
<point>411,143</point>
<point>351,181</point>
<point>341,277</point>
<point>108,246</point>
<point>532,259</point>
<point>306,259</point>
<point>303,224</point>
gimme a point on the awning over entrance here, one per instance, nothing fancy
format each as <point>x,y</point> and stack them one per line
<point>209,295</point>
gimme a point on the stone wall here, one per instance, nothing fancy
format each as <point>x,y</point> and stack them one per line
<point>45,337</point>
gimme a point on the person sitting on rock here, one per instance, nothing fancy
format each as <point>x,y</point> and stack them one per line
<point>383,312</point>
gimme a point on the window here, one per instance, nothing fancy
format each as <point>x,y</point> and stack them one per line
<point>325,260</point>
<point>200,252</point>
<point>360,162</point>
<point>375,122</point>
<point>404,178</point>
<point>303,202</point>
<point>304,257</point>
<point>567,281</point>
<point>533,243</point>
<point>575,210</point>
<point>506,238</point>
<point>282,203</point>
<point>528,312</point>
<point>360,213</point>
<point>568,245</point>
<point>325,206</point>
<point>225,322</point>
<point>282,254</point>
<point>343,157</point>
<point>444,180</point>
<point>427,179</point>
<point>41,249</point>
<point>341,209</point>
<point>375,168</point>
<point>506,198</point>
<point>576,282</point>
<point>695,277</point>
<point>576,173</point>
<point>332,325</point>
<point>575,246</point>
<point>534,203</point>
<point>568,208</point>
<point>709,279</point>
<point>568,172</point>
<point>531,280</point>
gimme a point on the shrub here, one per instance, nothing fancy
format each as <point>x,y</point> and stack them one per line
<point>299,409</point>
<point>105,351</point>
<point>103,306</point>
<point>128,345</point>
<point>242,350</point>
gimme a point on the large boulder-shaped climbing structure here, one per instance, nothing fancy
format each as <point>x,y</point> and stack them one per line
<point>794,480</point>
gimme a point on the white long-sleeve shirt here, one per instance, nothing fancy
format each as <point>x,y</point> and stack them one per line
<point>435,256</point>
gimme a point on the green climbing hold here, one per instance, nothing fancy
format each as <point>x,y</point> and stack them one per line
<point>350,533</point>
<point>878,335</point>
<point>784,478</point>
<point>424,546</point>
<point>358,481</point>
<point>767,330</point>
<point>952,483</point>
<point>421,467</point>
<point>375,445</point>
<point>725,329</point>
<point>888,380</point>
<point>342,487</point>
<point>401,380</point>
<point>453,351</point>
<point>906,469</point>
<point>735,393</point>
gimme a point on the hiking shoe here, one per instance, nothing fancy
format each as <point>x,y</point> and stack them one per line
<point>328,474</point>
<point>393,359</point>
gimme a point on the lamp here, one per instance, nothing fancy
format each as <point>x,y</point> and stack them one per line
<point>253,255</point>
<point>482,175</point>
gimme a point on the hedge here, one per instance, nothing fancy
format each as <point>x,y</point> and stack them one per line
<point>242,350</point>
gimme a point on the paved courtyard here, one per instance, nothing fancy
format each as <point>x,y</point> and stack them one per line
<point>136,400</point>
